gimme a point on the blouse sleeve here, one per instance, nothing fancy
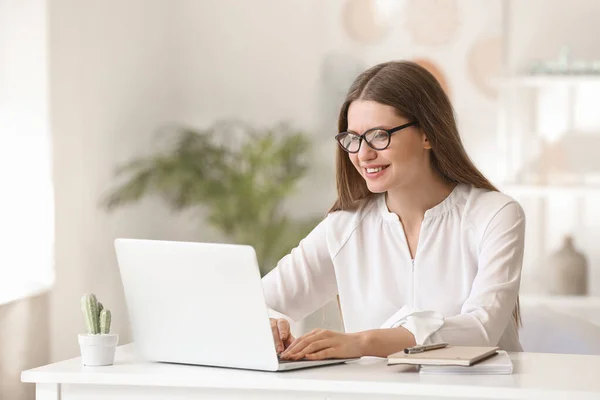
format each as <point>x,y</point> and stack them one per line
<point>304,280</point>
<point>488,309</point>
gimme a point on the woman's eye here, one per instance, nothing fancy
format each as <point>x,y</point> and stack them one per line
<point>379,135</point>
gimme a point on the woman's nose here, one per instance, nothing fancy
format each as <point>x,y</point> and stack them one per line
<point>366,153</point>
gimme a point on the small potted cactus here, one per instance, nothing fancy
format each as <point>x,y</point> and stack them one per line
<point>98,345</point>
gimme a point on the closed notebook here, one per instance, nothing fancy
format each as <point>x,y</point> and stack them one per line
<point>450,355</point>
<point>494,365</point>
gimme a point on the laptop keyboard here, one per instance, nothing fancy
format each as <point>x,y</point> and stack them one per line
<point>289,361</point>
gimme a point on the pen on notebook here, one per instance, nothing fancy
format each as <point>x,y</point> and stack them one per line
<point>422,348</point>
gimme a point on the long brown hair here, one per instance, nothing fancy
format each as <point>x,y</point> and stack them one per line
<point>416,95</point>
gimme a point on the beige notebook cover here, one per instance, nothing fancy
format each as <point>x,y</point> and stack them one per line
<point>450,355</point>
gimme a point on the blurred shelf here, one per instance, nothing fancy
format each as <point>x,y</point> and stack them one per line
<point>561,134</point>
<point>547,80</point>
<point>550,190</point>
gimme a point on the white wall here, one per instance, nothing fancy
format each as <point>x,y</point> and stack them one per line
<point>111,87</point>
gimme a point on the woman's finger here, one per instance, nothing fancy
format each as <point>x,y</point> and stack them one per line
<point>284,329</point>
<point>302,342</point>
<point>287,342</point>
<point>314,347</point>
<point>285,333</point>
<point>276,336</point>
<point>299,343</point>
<point>310,334</point>
<point>321,355</point>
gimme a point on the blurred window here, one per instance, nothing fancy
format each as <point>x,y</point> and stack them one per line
<point>26,194</point>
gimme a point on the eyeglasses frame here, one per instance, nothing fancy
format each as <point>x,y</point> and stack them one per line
<point>362,137</point>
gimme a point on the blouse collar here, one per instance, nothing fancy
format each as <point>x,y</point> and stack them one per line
<point>447,204</point>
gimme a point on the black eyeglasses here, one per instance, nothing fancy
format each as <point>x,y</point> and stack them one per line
<point>376,138</point>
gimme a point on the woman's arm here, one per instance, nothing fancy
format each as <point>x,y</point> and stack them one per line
<point>320,344</point>
<point>488,310</point>
<point>304,280</point>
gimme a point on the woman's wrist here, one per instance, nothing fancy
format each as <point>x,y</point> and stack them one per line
<point>364,342</point>
<point>383,342</point>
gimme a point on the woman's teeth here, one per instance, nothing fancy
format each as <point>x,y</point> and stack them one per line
<point>374,170</point>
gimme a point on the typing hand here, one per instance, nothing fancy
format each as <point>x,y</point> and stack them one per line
<point>281,334</point>
<point>320,344</point>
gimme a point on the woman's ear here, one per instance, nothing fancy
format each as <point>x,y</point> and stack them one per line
<point>426,143</point>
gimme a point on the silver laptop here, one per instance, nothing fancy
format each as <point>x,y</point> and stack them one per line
<point>199,303</point>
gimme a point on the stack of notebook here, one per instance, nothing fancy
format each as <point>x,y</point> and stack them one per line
<point>495,365</point>
<point>457,360</point>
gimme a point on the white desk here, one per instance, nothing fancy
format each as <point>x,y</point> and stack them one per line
<point>536,376</point>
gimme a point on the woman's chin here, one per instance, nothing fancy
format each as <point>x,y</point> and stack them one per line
<point>377,187</point>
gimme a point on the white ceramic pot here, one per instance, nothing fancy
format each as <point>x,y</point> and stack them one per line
<point>98,350</point>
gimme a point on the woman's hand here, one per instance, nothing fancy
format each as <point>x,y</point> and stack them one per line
<point>321,344</point>
<point>281,334</point>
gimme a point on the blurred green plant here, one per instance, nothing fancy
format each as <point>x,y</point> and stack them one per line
<point>239,174</point>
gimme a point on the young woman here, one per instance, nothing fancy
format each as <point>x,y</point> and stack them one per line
<point>420,247</point>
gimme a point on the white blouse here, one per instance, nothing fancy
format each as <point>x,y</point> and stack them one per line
<point>461,287</point>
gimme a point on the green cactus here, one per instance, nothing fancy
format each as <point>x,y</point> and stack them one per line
<point>89,306</point>
<point>97,319</point>
<point>105,321</point>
